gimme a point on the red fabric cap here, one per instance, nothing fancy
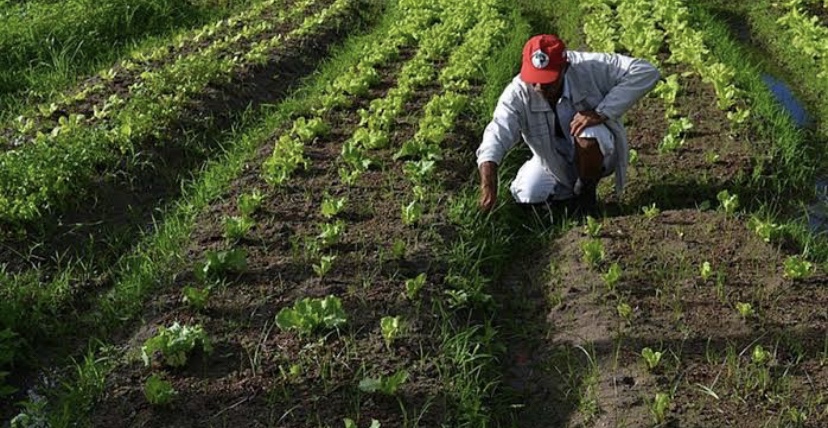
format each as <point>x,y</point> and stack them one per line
<point>544,56</point>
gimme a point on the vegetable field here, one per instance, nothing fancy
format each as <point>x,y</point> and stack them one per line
<point>265,213</point>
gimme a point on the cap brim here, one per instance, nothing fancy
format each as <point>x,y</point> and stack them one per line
<point>532,75</point>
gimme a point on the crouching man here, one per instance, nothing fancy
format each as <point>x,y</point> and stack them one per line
<point>567,106</point>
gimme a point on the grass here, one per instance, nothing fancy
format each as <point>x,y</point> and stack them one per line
<point>46,46</point>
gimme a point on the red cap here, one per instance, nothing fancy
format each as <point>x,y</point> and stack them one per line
<point>544,57</point>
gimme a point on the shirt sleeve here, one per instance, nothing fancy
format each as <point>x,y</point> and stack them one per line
<point>631,78</point>
<point>503,132</point>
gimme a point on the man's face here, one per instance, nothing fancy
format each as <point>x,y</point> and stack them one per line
<point>551,91</point>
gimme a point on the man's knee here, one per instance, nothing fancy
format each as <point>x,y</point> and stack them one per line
<point>587,143</point>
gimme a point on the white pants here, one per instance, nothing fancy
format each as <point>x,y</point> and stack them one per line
<point>535,184</point>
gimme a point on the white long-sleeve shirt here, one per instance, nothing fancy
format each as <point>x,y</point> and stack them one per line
<point>607,83</point>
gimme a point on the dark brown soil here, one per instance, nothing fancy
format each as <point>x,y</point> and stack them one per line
<point>571,360</point>
<point>244,382</point>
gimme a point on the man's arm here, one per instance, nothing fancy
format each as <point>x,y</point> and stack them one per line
<point>631,79</point>
<point>500,135</point>
<point>488,185</point>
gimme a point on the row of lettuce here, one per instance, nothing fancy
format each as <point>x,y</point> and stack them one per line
<point>47,170</point>
<point>45,45</point>
<point>470,35</point>
<point>36,306</point>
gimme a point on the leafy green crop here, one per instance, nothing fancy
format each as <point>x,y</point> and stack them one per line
<point>171,345</point>
<point>652,358</point>
<point>391,328</point>
<point>593,252</point>
<point>236,228</point>
<point>250,202</point>
<point>796,267</point>
<point>158,391</point>
<point>195,297</point>
<point>387,385</point>
<point>220,263</point>
<point>310,314</point>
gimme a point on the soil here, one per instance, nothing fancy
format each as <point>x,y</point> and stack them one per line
<point>245,381</point>
<point>572,360</point>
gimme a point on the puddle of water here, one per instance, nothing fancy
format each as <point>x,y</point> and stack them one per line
<point>789,102</point>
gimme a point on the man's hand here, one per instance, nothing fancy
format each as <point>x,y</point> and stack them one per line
<point>488,186</point>
<point>583,120</point>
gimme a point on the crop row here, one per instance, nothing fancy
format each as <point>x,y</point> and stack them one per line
<point>126,72</point>
<point>805,33</point>
<point>39,176</point>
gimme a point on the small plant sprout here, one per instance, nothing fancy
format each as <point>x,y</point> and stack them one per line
<point>797,267</point>
<point>659,407</point>
<point>633,157</point>
<point>195,297</point>
<point>324,266</point>
<point>391,328</point>
<point>349,423</point>
<point>612,276</point>
<point>219,263</point>
<point>171,345</point>
<point>387,385</point>
<point>651,211</point>
<point>414,285</point>
<point>797,416</point>
<point>412,213</point>
<point>330,233</point>
<point>593,227</point>
<point>711,157</point>
<point>745,309</point>
<point>398,248</point>
<point>236,228</point>
<point>249,203</point>
<point>766,230</point>
<point>333,206</point>
<point>705,271</point>
<point>625,311</point>
<point>652,358</point>
<point>727,202</point>
<point>760,356</point>
<point>310,314</point>
<point>593,251</point>
<point>158,391</point>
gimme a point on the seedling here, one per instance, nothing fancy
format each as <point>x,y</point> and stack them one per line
<point>333,206</point>
<point>633,157</point>
<point>158,391</point>
<point>593,227</point>
<point>612,276</point>
<point>384,385</point>
<point>412,213</point>
<point>745,309</point>
<point>727,202</point>
<point>760,356</point>
<point>324,266</point>
<point>171,345</point>
<point>413,286</point>
<point>310,314</point>
<point>391,328</point>
<point>705,271</point>
<point>398,248</point>
<point>651,211</point>
<point>796,267</point>
<point>711,157</point>
<point>249,203</point>
<point>220,263</point>
<point>593,251</point>
<point>195,297</point>
<point>659,407</point>
<point>236,228</point>
<point>764,229</point>
<point>625,311</point>
<point>331,233</point>
<point>652,358</point>
<point>349,423</point>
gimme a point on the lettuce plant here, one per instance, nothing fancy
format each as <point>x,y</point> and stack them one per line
<point>171,345</point>
<point>310,314</point>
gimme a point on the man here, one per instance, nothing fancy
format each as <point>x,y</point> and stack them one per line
<point>567,106</point>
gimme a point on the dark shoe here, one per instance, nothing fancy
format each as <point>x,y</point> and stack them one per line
<point>588,200</point>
